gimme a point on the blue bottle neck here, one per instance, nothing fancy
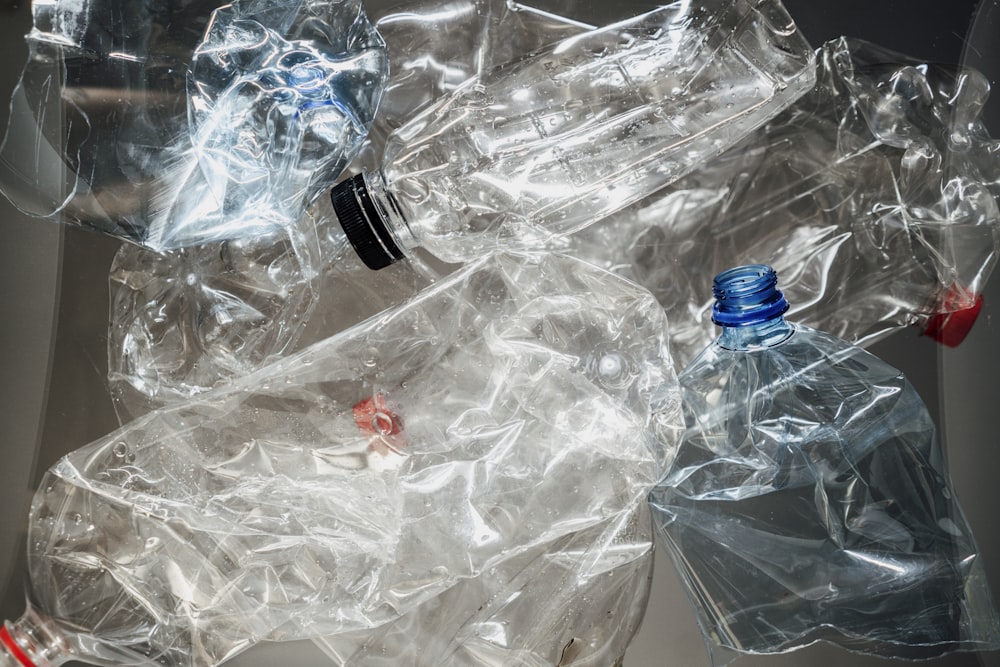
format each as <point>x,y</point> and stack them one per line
<point>756,336</point>
<point>749,308</point>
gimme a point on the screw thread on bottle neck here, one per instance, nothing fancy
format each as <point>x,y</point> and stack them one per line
<point>31,641</point>
<point>749,307</point>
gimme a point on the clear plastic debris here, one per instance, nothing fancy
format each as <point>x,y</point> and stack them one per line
<point>809,499</point>
<point>236,305</point>
<point>188,320</point>
<point>436,47</point>
<point>174,125</point>
<point>521,402</point>
<point>558,139</point>
<point>874,196</point>
<point>574,602</point>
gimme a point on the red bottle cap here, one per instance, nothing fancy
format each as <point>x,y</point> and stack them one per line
<point>957,311</point>
<point>13,648</point>
<point>374,418</point>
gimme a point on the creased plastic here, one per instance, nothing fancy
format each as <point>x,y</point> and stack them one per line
<point>510,408</point>
<point>434,47</point>
<point>809,500</point>
<point>172,125</point>
<point>576,601</point>
<point>185,321</point>
<point>874,196</point>
<point>235,305</point>
<point>557,139</point>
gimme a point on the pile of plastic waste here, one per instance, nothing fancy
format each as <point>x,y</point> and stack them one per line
<point>414,331</point>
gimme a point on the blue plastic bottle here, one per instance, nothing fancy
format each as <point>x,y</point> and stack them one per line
<point>809,499</point>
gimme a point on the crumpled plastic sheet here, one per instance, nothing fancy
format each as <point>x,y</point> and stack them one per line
<point>187,320</point>
<point>173,124</point>
<point>517,405</point>
<point>874,197</point>
<point>809,500</point>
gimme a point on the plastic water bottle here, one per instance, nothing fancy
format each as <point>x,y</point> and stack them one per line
<point>550,143</point>
<point>874,196</point>
<point>506,412</point>
<point>809,498</point>
<point>226,121</point>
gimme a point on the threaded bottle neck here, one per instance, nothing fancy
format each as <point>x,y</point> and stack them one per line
<point>31,641</point>
<point>749,308</point>
<point>371,220</point>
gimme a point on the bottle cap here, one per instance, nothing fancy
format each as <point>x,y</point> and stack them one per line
<point>363,224</point>
<point>957,311</point>
<point>747,295</point>
<point>10,647</point>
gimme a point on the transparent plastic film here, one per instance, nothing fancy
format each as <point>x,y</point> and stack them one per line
<point>547,144</point>
<point>187,320</point>
<point>435,47</point>
<point>874,197</point>
<point>809,501</point>
<point>509,409</point>
<point>576,601</point>
<point>172,126</point>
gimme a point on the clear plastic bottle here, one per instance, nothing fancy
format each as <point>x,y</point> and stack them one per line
<point>874,196</point>
<point>809,498</point>
<point>550,143</point>
<point>190,122</point>
<point>506,411</point>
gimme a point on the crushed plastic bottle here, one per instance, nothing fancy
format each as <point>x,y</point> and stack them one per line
<point>185,321</point>
<point>875,197</point>
<point>809,498</point>
<point>511,409</point>
<point>434,49</point>
<point>177,125</point>
<point>237,305</point>
<point>548,144</point>
<point>574,603</point>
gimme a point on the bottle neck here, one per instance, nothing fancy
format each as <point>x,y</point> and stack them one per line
<point>756,336</point>
<point>394,220</point>
<point>372,220</point>
<point>31,641</point>
<point>749,308</point>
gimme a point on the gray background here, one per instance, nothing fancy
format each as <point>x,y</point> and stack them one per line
<point>53,309</point>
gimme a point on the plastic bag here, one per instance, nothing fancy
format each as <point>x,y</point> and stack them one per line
<point>170,125</point>
<point>874,197</point>
<point>512,405</point>
<point>809,499</point>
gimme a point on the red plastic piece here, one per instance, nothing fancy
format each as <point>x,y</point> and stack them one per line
<point>957,312</point>
<point>13,648</point>
<point>374,418</point>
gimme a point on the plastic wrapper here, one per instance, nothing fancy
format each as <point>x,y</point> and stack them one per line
<point>512,405</point>
<point>173,124</point>
<point>874,197</point>
<point>809,499</point>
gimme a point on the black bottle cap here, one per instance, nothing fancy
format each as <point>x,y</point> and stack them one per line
<point>363,224</point>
